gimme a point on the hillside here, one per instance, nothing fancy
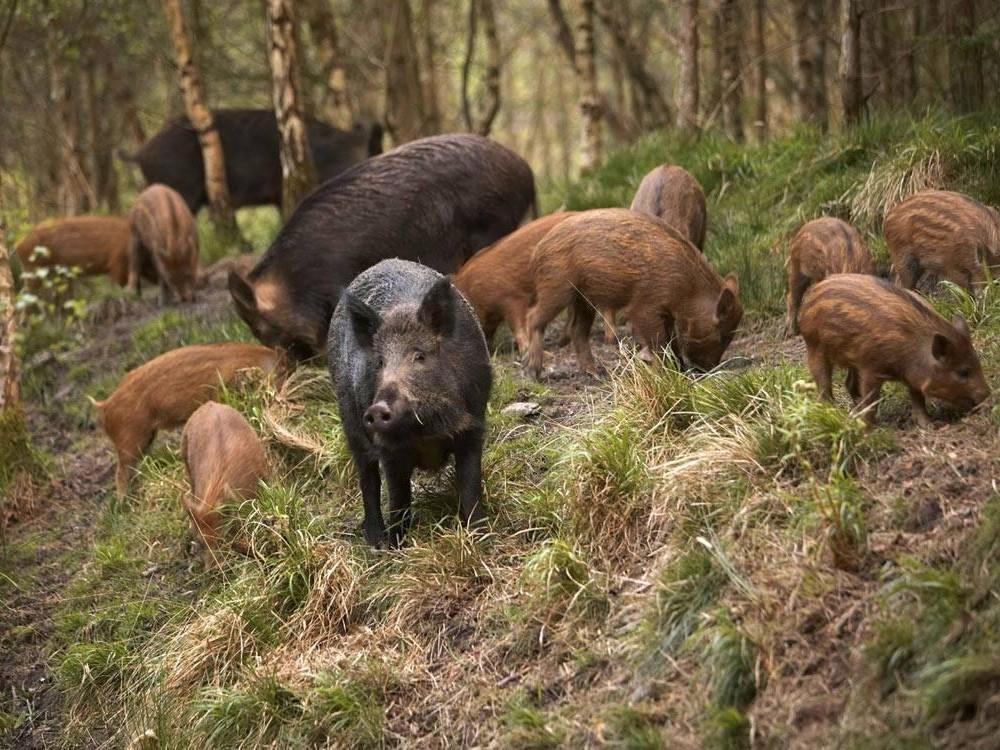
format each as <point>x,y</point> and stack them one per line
<point>671,561</point>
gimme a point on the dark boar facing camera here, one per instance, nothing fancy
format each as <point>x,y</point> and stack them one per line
<point>436,201</point>
<point>412,373</point>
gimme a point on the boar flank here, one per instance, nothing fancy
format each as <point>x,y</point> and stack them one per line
<point>225,461</point>
<point>611,259</point>
<point>94,244</point>
<point>412,373</point>
<point>879,332</point>
<point>250,150</point>
<point>822,247</point>
<point>165,391</point>
<point>673,194</point>
<point>944,235</point>
<point>435,201</point>
<point>163,233</point>
<point>497,280</point>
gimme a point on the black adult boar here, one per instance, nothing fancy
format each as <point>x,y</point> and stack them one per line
<point>435,201</point>
<point>250,149</point>
<point>412,373</point>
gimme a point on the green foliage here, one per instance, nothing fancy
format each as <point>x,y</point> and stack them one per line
<point>560,583</point>
<point>526,727</point>
<point>19,456</point>
<point>252,714</point>
<point>729,657</point>
<point>631,729</point>
<point>728,729</point>
<point>839,506</point>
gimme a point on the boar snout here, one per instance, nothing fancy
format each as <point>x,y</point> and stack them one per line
<point>389,414</point>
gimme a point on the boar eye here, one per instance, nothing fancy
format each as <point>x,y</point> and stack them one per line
<point>964,372</point>
<point>419,356</point>
<point>379,362</point>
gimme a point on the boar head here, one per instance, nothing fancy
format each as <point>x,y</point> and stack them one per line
<point>704,338</point>
<point>272,318</point>
<point>955,374</point>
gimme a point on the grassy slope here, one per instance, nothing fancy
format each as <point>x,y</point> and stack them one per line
<point>679,563</point>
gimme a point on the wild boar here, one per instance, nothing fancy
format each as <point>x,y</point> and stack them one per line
<point>165,391</point>
<point>225,461</point>
<point>163,232</point>
<point>820,248</point>
<point>94,244</point>
<point>674,195</point>
<point>620,259</point>
<point>435,200</point>
<point>250,150</point>
<point>497,280</point>
<point>942,234</point>
<point>412,373</point>
<point>879,332</point>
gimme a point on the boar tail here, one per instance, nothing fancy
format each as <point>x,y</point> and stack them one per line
<point>99,405</point>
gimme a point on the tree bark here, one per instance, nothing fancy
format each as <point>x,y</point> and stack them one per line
<point>298,175</point>
<point>429,70</point>
<point>590,100</point>
<point>198,113</point>
<point>485,9</point>
<point>10,367</point>
<point>716,34</point>
<point>687,106</point>
<point>73,191</point>
<point>564,33</point>
<point>732,83</point>
<point>760,125</point>
<point>404,109</point>
<point>851,91</point>
<point>335,106</point>
<point>810,62</point>
<point>965,64</point>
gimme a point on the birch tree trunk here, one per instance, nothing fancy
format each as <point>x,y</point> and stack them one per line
<point>590,100</point>
<point>298,175</point>
<point>404,108</point>
<point>760,69</point>
<point>198,113</point>
<point>687,105</point>
<point>10,367</point>
<point>852,94</point>
<point>335,107</point>
<point>732,84</point>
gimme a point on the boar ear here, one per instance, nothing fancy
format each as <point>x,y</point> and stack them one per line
<point>725,309</point>
<point>940,347</point>
<point>732,283</point>
<point>241,291</point>
<point>961,326</point>
<point>365,321</point>
<point>437,311</point>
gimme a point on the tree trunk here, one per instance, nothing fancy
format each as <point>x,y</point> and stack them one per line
<point>717,41</point>
<point>760,69</point>
<point>73,192</point>
<point>732,83</point>
<point>965,64</point>
<point>590,100</point>
<point>851,91</point>
<point>687,106</point>
<point>335,107</point>
<point>298,175</point>
<point>564,34</point>
<point>10,369</point>
<point>810,62</point>
<point>430,82</point>
<point>198,113</point>
<point>484,8</point>
<point>404,109</point>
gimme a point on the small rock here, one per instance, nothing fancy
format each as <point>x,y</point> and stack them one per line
<point>522,409</point>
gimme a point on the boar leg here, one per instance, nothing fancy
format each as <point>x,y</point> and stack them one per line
<point>398,472</point>
<point>134,265</point>
<point>469,477</point>
<point>908,271</point>
<point>821,369</point>
<point>608,317</point>
<point>871,386</point>
<point>920,408</point>
<point>583,319</point>
<point>567,333</point>
<point>852,384</point>
<point>371,495</point>
<point>796,288</point>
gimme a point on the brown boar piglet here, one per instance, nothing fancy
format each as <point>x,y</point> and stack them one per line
<point>615,258</point>
<point>674,195</point>
<point>822,247</point>
<point>225,460</point>
<point>497,280</point>
<point>163,233</point>
<point>942,234</point>
<point>165,391</point>
<point>879,332</point>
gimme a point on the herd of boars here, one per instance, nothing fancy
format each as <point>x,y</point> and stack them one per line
<point>400,269</point>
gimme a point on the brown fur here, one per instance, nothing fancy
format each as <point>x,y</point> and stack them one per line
<point>163,230</point>
<point>620,259</point>
<point>497,280</point>
<point>165,391</point>
<point>674,195</point>
<point>225,460</point>
<point>944,234</point>
<point>820,248</point>
<point>94,244</point>
<point>879,333</point>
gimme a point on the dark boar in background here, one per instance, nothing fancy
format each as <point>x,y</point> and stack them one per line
<point>821,248</point>
<point>879,332</point>
<point>250,149</point>
<point>618,259</point>
<point>412,374</point>
<point>674,195</point>
<point>942,234</point>
<point>435,201</point>
<point>164,234</point>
